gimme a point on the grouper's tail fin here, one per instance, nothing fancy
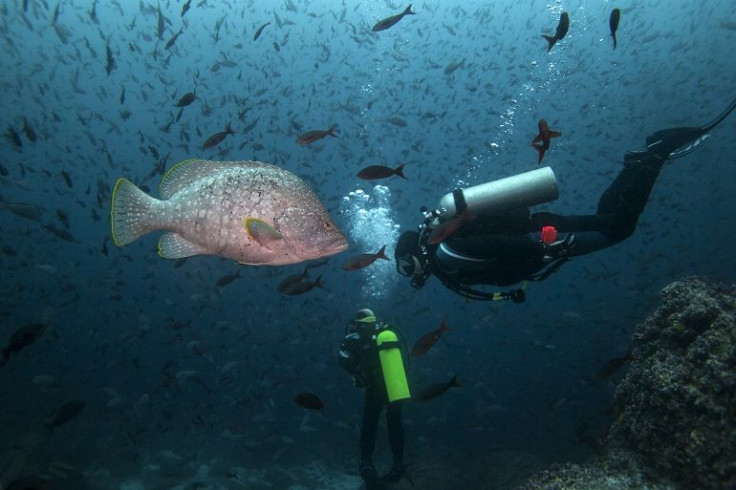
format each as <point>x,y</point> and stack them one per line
<point>132,214</point>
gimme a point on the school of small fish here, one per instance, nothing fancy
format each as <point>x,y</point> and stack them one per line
<point>276,111</point>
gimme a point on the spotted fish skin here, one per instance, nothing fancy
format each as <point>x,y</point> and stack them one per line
<point>206,204</point>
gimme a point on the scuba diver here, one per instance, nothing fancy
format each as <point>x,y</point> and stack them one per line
<point>506,244</point>
<point>372,353</point>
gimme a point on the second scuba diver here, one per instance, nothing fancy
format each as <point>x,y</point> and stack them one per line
<point>373,354</point>
<point>506,244</point>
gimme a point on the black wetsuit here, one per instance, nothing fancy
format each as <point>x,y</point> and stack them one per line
<point>375,400</point>
<point>504,250</point>
<point>359,356</point>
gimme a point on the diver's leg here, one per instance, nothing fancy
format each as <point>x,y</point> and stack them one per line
<point>396,440</point>
<point>395,432</point>
<point>372,407</point>
<point>628,194</point>
<point>371,412</point>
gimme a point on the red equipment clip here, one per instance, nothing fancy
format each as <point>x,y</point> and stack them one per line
<point>549,234</point>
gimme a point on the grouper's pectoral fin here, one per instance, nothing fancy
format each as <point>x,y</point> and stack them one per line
<point>263,233</point>
<point>174,246</point>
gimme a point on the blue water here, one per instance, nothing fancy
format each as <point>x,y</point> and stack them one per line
<point>525,369</point>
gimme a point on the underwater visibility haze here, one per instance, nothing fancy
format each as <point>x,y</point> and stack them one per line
<point>122,369</point>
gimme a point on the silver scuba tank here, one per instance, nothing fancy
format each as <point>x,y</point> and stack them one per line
<point>523,190</point>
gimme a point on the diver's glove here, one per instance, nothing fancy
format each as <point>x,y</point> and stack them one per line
<point>560,248</point>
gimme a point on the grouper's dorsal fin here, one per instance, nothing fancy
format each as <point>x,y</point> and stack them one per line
<point>185,172</point>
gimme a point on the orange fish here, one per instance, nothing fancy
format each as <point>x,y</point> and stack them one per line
<point>545,134</point>
<point>375,172</point>
<point>428,340</point>
<point>364,260</point>
<point>442,231</point>
<point>312,136</point>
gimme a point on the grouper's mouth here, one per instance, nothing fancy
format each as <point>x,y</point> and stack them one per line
<point>335,246</point>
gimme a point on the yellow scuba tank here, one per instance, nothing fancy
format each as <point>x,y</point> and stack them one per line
<point>392,365</point>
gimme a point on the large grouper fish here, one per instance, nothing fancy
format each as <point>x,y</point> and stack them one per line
<point>252,212</point>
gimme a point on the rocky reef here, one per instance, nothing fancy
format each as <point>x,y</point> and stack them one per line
<point>676,405</point>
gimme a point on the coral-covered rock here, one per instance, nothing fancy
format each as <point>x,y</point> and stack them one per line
<point>676,425</point>
<point>677,403</point>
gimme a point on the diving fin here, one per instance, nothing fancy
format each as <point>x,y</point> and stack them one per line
<point>677,142</point>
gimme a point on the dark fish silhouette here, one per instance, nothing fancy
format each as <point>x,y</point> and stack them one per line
<point>186,99</point>
<point>63,218</point>
<point>161,23</point>
<point>544,136</point>
<point>67,179</point>
<point>289,281</point>
<point>217,138</point>
<point>28,131</point>
<point>610,367</point>
<point>364,260</point>
<point>375,172</point>
<point>562,27</point>
<point>171,41</point>
<point>434,390</point>
<point>27,211</point>
<point>93,13</point>
<point>227,279</point>
<point>301,287</point>
<point>14,138</point>
<point>259,31</point>
<point>22,338</point>
<point>384,24</point>
<point>309,400</point>
<point>66,413</point>
<point>185,7</point>
<point>613,23</point>
<point>110,66</point>
<point>312,136</point>
<point>428,340</point>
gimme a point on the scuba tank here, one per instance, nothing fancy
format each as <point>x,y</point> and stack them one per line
<point>498,196</point>
<point>392,365</point>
